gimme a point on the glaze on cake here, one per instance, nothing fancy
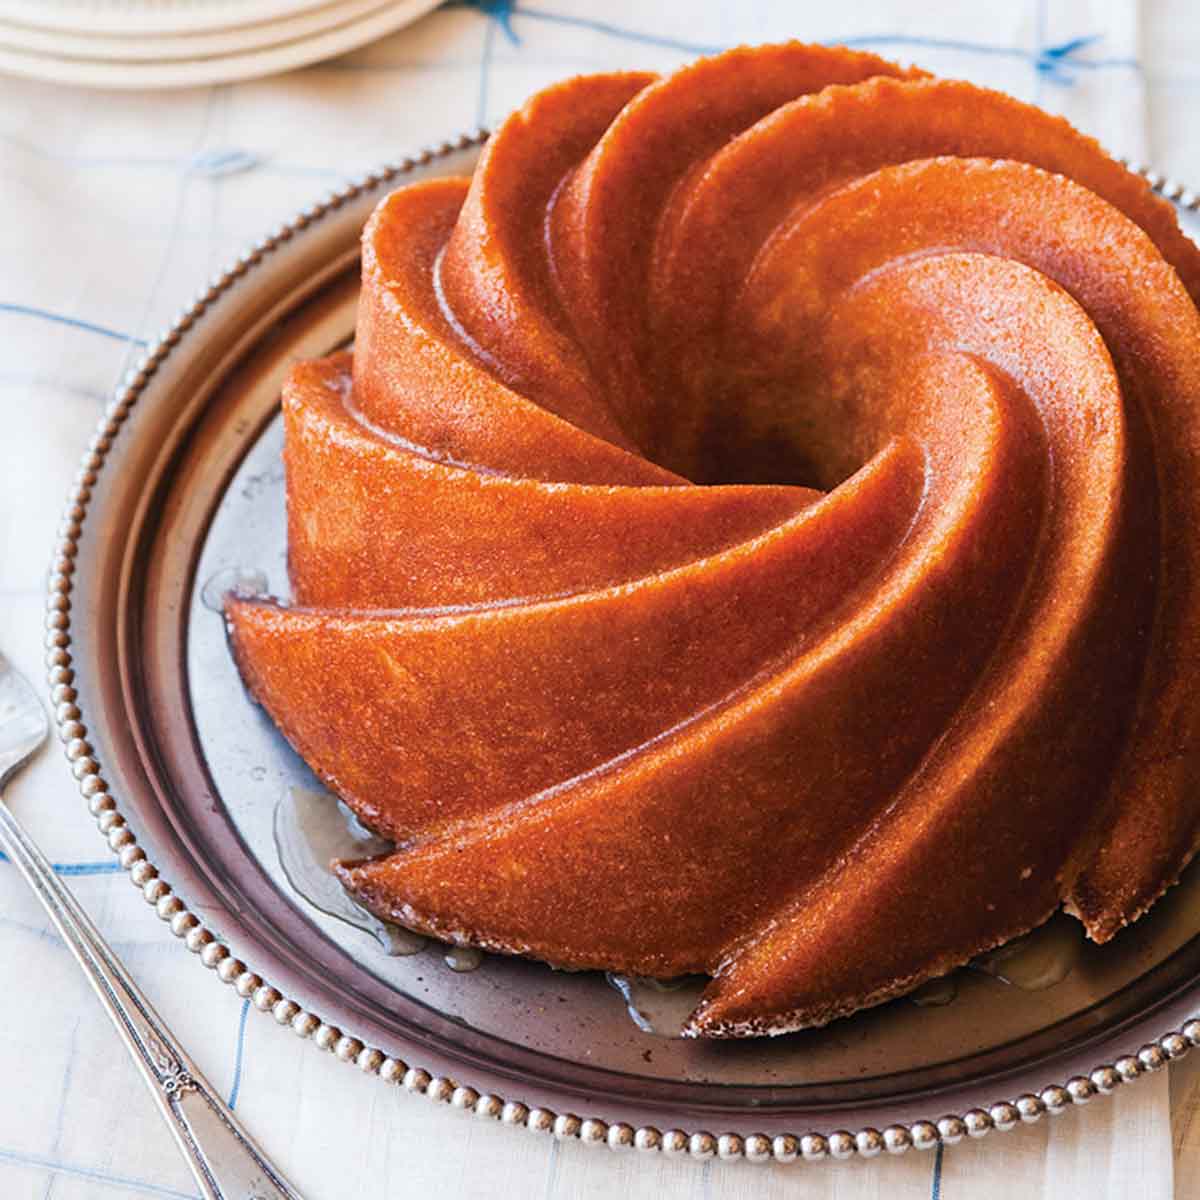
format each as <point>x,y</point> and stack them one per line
<point>756,534</point>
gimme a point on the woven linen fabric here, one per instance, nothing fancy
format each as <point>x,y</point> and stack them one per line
<point>114,210</point>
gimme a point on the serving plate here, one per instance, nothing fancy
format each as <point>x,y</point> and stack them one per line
<point>185,46</point>
<point>209,45</point>
<point>151,18</point>
<point>182,488</point>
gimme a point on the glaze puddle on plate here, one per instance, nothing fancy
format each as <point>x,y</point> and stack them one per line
<point>936,993</point>
<point>312,829</point>
<point>241,581</point>
<point>463,958</point>
<point>1040,959</point>
<point>658,1006</point>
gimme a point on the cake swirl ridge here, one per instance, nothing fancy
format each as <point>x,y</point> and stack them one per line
<point>756,534</point>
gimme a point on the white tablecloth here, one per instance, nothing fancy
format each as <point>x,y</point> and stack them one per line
<point>114,209</point>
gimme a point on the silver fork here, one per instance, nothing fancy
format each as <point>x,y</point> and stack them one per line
<point>227,1163</point>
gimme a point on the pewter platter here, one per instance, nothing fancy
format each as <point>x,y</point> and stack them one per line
<point>183,484</point>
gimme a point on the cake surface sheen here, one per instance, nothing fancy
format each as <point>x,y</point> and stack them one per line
<point>756,534</point>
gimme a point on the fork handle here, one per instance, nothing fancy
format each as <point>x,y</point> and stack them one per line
<point>225,1159</point>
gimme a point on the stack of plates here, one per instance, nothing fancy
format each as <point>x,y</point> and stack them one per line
<point>186,43</point>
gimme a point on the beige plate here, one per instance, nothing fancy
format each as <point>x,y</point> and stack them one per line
<point>150,18</point>
<point>183,480</point>
<point>144,49</point>
<point>199,59</point>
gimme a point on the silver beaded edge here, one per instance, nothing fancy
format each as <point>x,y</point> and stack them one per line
<point>184,924</point>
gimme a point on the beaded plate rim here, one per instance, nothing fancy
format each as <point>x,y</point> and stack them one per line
<point>838,1144</point>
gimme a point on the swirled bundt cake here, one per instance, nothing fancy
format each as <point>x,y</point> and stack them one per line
<point>757,534</point>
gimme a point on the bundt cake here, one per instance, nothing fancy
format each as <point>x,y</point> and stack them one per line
<point>757,533</point>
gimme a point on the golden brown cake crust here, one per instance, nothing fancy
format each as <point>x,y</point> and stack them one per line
<point>758,533</point>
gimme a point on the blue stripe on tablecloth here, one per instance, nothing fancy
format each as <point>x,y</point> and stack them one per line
<point>936,1189</point>
<point>552,1171</point>
<point>1055,62</point>
<point>28,310</point>
<point>238,1055</point>
<point>107,867</point>
<point>1047,59</point>
<point>88,868</point>
<point>215,163</point>
<point>18,1158</point>
<point>507,10</point>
